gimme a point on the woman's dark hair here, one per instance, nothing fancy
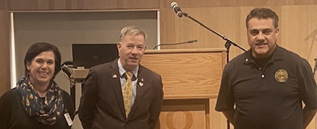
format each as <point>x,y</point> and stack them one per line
<point>38,48</point>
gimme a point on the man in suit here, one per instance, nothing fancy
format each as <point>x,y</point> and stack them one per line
<point>105,104</point>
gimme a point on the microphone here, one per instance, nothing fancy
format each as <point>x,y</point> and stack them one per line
<point>190,41</point>
<point>177,10</point>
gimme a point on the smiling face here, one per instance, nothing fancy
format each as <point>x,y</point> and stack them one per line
<point>42,68</point>
<point>262,37</point>
<point>131,50</point>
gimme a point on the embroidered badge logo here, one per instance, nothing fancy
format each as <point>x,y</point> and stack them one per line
<point>281,75</point>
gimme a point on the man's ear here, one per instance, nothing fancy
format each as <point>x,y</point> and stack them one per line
<point>277,31</point>
<point>119,45</point>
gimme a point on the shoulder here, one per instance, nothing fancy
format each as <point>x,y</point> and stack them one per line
<point>66,97</point>
<point>238,60</point>
<point>106,65</point>
<point>104,68</point>
<point>9,94</point>
<point>8,98</point>
<point>149,72</point>
<point>288,53</point>
<point>290,56</point>
<point>152,78</point>
<point>64,93</point>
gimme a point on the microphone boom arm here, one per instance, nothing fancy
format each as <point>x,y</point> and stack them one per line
<point>191,41</point>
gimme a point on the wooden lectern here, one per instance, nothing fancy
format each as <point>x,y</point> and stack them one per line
<point>191,80</point>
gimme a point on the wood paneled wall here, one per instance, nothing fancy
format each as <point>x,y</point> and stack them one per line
<point>4,48</point>
<point>234,3</point>
<point>82,4</point>
<point>298,24</point>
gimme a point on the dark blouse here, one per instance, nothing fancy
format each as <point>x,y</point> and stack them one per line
<point>13,115</point>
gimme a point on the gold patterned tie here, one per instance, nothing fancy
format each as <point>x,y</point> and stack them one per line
<point>127,93</point>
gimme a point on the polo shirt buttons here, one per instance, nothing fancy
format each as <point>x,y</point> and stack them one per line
<point>262,75</point>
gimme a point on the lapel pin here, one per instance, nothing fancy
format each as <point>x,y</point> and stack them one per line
<point>141,83</point>
<point>114,76</point>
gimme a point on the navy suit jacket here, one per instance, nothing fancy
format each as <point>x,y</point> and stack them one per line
<point>101,105</point>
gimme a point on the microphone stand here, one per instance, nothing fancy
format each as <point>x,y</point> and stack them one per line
<point>228,41</point>
<point>227,44</point>
<point>315,66</point>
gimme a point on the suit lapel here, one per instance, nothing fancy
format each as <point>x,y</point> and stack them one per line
<point>115,82</point>
<point>140,90</point>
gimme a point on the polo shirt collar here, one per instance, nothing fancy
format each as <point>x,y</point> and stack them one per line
<point>277,55</point>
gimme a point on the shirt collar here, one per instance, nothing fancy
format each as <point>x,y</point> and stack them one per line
<point>277,55</point>
<point>122,70</point>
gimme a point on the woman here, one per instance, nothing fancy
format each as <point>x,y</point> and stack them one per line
<point>37,102</point>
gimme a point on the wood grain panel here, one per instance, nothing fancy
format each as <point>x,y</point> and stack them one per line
<point>234,3</point>
<point>45,4</point>
<point>5,51</point>
<point>191,114</point>
<point>58,4</point>
<point>144,4</point>
<point>189,74</point>
<point>96,4</point>
<point>299,27</point>
<point>183,114</point>
<point>22,4</point>
<point>103,4</point>
<point>82,4</point>
<point>3,3</point>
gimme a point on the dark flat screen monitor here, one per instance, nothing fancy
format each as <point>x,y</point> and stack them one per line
<point>88,55</point>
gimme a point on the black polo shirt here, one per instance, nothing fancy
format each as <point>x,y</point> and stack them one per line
<point>270,97</point>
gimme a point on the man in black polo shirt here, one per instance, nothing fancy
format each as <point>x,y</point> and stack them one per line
<point>264,88</point>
